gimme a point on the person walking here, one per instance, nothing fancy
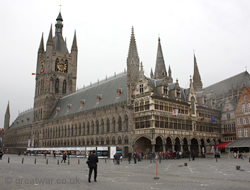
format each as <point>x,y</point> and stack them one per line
<point>63,157</point>
<point>92,163</point>
<point>129,157</point>
<point>134,157</point>
<point>1,154</point>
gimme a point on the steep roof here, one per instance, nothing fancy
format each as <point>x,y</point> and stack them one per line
<point>227,85</point>
<point>23,119</point>
<point>105,90</point>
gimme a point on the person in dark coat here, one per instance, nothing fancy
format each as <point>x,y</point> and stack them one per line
<point>92,163</point>
<point>63,157</point>
<point>129,157</point>
<point>135,156</point>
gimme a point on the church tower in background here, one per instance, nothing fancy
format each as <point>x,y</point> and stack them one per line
<point>56,71</point>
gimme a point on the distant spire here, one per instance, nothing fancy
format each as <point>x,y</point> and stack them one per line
<point>50,39</point>
<point>41,47</point>
<point>196,77</point>
<point>151,73</point>
<point>141,72</point>
<point>160,69</point>
<point>8,109</point>
<point>169,72</point>
<point>132,47</point>
<point>74,44</point>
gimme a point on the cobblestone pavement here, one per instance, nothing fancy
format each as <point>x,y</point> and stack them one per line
<point>203,173</point>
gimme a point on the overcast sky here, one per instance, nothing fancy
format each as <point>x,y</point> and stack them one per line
<point>218,31</point>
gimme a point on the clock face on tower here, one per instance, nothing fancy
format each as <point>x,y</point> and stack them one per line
<point>61,66</point>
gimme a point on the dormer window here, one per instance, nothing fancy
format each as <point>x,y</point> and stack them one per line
<point>118,92</point>
<point>141,88</point>
<point>98,98</point>
<point>165,90</point>
<point>69,106</point>
<point>82,102</point>
<point>58,109</point>
<point>178,93</point>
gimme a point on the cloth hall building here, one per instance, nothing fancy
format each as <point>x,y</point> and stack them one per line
<point>129,110</point>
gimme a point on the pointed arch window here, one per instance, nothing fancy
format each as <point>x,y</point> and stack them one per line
<point>64,87</point>
<point>57,86</point>
<point>119,124</point>
<point>108,126</point>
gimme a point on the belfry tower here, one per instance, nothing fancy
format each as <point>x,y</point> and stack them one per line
<point>56,71</point>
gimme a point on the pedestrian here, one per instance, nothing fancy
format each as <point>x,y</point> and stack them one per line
<point>150,157</point>
<point>63,157</point>
<point>129,157</point>
<point>92,164</point>
<point>134,157</point>
<point>193,155</point>
<point>54,155</point>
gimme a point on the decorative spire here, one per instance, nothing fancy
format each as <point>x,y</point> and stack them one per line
<point>160,69</point>
<point>41,47</point>
<point>169,72</point>
<point>196,77</point>
<point>141,72</point>
<point>50,39</point>
<point>8,109</point>
<point>74,44</point>
<point>151,73</point>
<point>132,47</point>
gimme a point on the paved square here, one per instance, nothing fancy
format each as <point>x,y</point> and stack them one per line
<point>203,173</point>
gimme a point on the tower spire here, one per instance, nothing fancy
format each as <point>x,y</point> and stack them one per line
<point>74,44</point>
<point>50,39</point>
<point>7,118</point>
<point>41,47</point>
<point>196,77</point>
<point>160,69</point>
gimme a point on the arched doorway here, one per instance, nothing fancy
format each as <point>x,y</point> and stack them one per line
<point>168,144</point>
<point>143,144</point>
<point>177,145</point>
<point>185,145</point>
<point>194,145</point>
<point>158,145</point>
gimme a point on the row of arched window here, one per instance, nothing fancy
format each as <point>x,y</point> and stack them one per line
<point>89,141</point>
<point>88,128</point>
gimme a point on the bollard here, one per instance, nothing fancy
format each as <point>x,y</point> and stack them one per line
<point>237,167</point>
<point>78,161</point>
<point>216,159</point>
<point>156,177</point>
<point>35,161</point>
<point>106,160</point>
<point>22,160</point>
<point>8,159</point>
<point>57,162</point>
<point>68,162</point>
<point>47,161</point>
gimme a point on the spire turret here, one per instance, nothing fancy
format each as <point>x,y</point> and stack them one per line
<point>41,47</point>
<point>50,38</point>
<point>74,44</point>
<point>160,69</point>
<point>7,118</point>
<point>196,77</point>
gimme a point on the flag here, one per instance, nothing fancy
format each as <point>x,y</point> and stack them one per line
<point>33,73</point>
<point>202,118</point>
<point>190,116</point>
<point>212,119</point>
<point>175,112</point>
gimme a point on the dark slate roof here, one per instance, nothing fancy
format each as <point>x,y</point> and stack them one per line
<point>107,89</point>
<point>236,82</point>
<point>154,83</point>
<point>23,119</point>
<point>60,44</point>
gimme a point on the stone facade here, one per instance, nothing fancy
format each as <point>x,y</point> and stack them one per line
<point>129,110</point>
